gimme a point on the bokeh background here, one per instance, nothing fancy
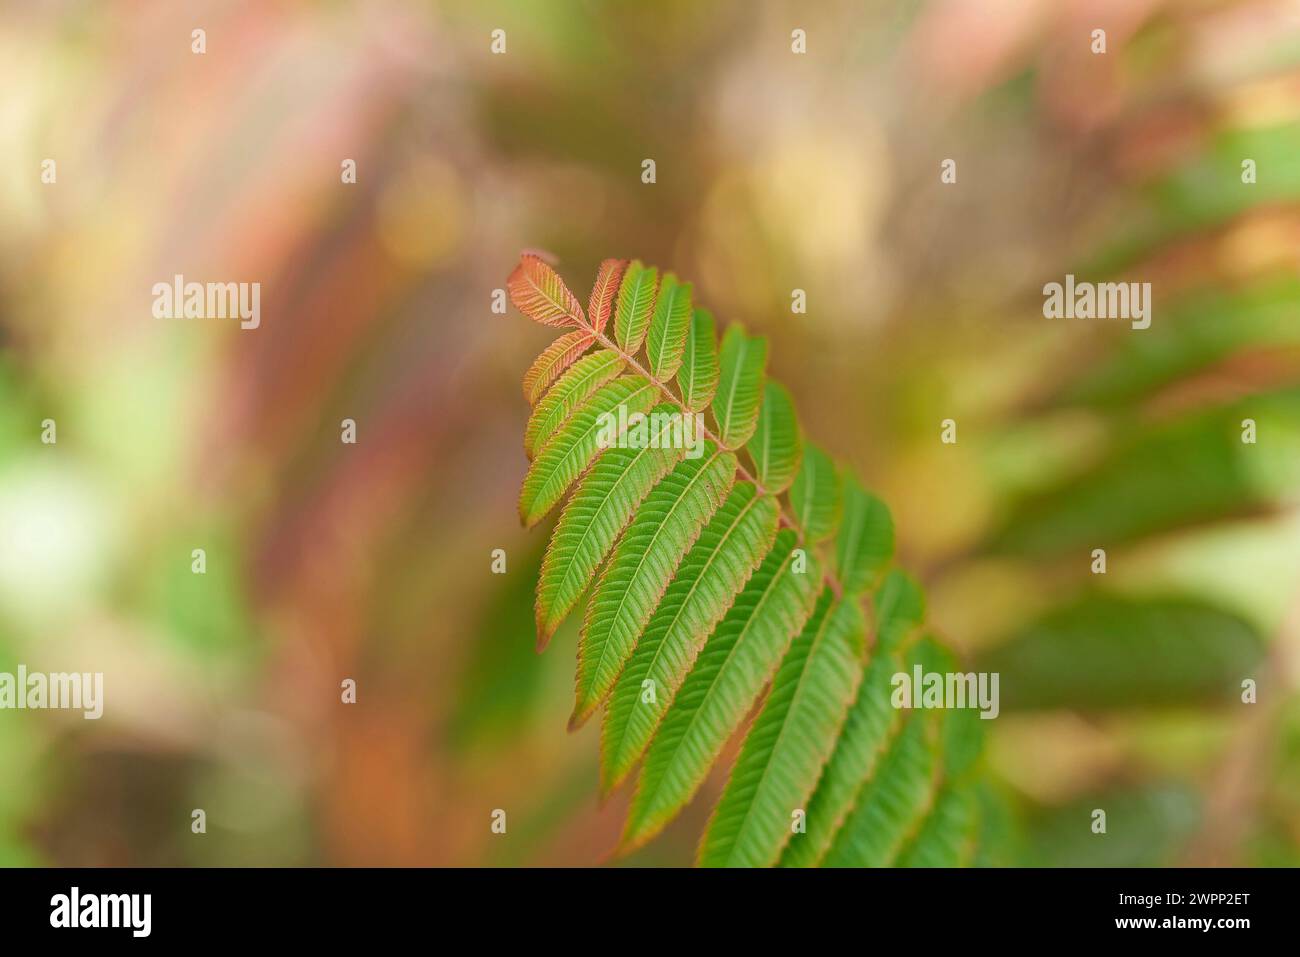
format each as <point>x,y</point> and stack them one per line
<point>775,171</point>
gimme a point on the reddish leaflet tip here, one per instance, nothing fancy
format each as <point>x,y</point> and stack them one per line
<point>545,255</point>
<point>605,291</point>
<point>541,295</point>
<point>544,631</point>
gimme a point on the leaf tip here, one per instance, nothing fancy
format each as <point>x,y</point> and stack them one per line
<point>581,713</point>
<point>632,840</point>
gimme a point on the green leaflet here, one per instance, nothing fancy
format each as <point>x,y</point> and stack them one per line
<point>892,802</point>
<point>815,495</point>
<point>776,446</point>
<point>790,740</point>
<point>574,387</point>
<point>698,376</point>
<point>705,584</point>
<point>740,386</point>
<point>962,735</point>
<point>668,327</point>
<point>899,609</point>
<point>636,301</point>
<point>729,674</point>
<point>555,358</point>
<point>947,836</point>
<point>570,450</point>
<point>664,528</point>
<point>594,516</point>
<point>871,722</point>
<point>866,540</point>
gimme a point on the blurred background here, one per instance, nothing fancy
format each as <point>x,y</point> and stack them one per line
<point>775,171</point>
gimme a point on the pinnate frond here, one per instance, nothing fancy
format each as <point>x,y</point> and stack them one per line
<point>871,724</point>
<point>867,729</point>
<point>713,573</point>
<point>892,802</point>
